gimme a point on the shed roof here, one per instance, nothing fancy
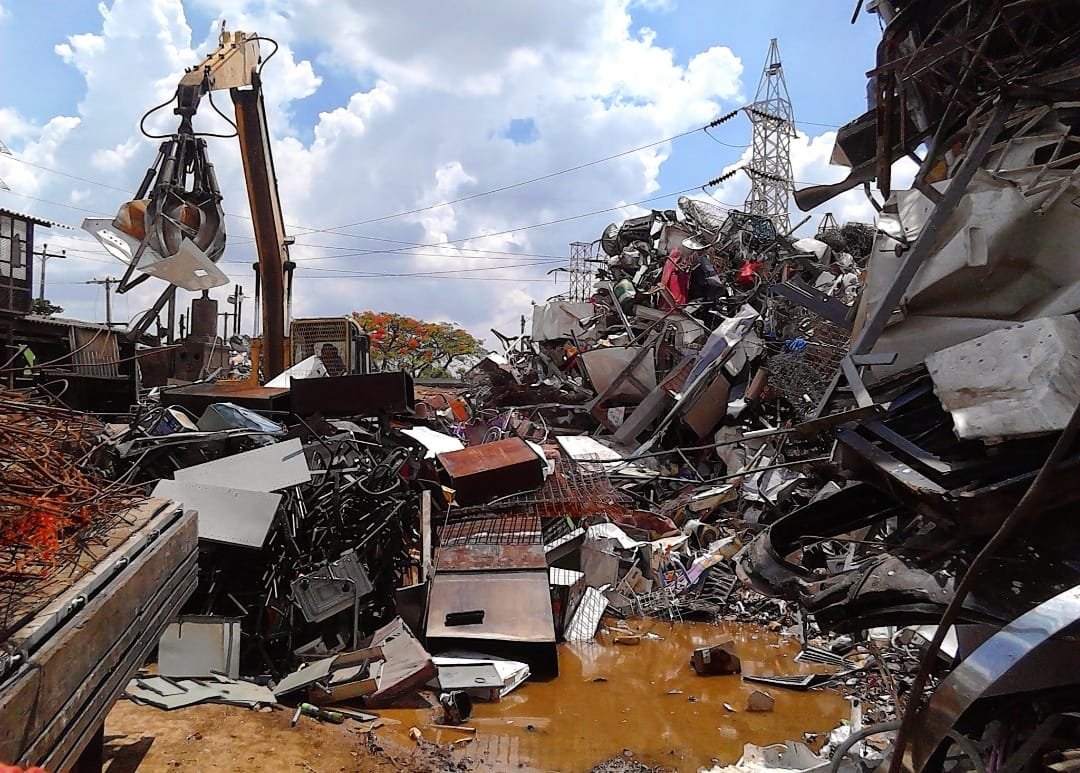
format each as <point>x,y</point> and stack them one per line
<point>33,219</point>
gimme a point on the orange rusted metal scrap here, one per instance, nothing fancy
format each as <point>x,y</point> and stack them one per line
<point>52,499</point>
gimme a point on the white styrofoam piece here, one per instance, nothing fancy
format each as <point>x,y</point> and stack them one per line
<point>268,468</point>
<point>312,367</point>
<point>434,442</point>
<point>233,516</point>
<point>1019,381</point>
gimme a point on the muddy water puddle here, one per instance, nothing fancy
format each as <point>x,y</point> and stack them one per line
<point>645,699</point>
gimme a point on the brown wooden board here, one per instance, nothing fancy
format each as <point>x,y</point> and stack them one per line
<point>22,598</point>
<point>73,674</point>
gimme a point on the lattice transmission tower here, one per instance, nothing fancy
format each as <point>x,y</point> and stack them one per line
<point>581,273</point>
<point>774,125</point>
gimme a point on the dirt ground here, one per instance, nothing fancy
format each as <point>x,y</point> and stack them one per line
<point>612,709</point>
<point>228,738</point>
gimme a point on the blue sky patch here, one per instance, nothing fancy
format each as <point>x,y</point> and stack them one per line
<point>522,131</point>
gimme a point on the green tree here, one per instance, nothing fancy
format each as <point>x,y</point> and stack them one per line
<point>45,308</point>
<point>422,349</point>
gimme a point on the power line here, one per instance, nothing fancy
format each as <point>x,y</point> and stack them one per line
<point>66,174</point>
<point>498,254</point>
<point>79,255</point>
<point>531,226</point>
<point>336,229</point>
<point>424,277</point>
<point>725,144</point>
<point>530,181</point>
<point>56,203</point>
<point>405,253</point>
<point>440,278</point>
<point>446,272</point>
<point>556,221</point>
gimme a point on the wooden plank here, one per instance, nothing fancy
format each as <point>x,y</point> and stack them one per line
<point>120,545</point>
<point>89,706</point>
<point>34,707</point>
<point>29,597</point>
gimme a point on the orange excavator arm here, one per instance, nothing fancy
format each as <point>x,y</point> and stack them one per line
<point>174,227</point>
<point>236,65</point>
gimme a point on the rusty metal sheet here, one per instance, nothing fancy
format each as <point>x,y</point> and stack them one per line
<point>196,397</point>
<point>516,605</point>
<point>367,394</point>
<point>459,558</point>
<point>481,473</point>
<point>94,352</point>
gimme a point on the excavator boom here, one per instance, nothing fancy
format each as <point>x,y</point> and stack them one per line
<point>174,227</point>
<point>235,66</point>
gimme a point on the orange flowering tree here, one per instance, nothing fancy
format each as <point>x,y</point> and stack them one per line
<point>423,349</point>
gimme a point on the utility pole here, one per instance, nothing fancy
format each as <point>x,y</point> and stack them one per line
<point>225,324</point>
<point>237,301</point>
<point>108,282</point>
<point>773,119</point>
<point>45,255</point>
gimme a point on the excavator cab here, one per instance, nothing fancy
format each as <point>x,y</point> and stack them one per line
<point>341,345</point>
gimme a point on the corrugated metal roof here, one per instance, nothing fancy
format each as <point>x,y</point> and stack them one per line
<point>33,219</point>
<point>65,322</point>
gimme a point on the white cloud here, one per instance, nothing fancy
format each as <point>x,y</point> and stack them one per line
<point>422,118</point>
<point>106,159</point>
<point>12,125</point>
<point>656,6</point>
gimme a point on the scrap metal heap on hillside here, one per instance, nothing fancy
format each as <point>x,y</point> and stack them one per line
<point>907,462</point>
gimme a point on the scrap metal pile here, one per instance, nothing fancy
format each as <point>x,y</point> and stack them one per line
<point>908,460</point>
<point>307,526</point>
<point>865,440</point>
<point>55,499</point>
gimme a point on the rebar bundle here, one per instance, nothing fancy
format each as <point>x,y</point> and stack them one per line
<point>51,498</point>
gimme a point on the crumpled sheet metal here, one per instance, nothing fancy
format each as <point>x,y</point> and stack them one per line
<point>1026,656</point>
<point>1015,382</point>
<point>996,262</point>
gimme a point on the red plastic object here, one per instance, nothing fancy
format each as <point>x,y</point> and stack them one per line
<point>749,271</point>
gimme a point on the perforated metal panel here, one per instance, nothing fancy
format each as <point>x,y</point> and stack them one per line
<point>310,337</point>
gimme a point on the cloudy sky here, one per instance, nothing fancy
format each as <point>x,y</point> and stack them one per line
<point>381,112</point>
